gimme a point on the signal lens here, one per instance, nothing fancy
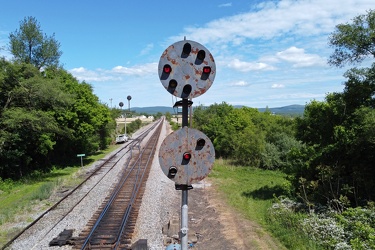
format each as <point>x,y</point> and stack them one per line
<point>206,70</point>
<point>187,156</point>
<point>201,55</point>
<point>172,172</point>
<point>201,142</point>
<point>172,84</point>
<point>186,50</point>
<point>167,69</point>
<point>187,89</point>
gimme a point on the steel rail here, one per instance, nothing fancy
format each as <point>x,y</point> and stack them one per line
<point>137,187</point>
<point>120,185</point>
<point>129,147</point>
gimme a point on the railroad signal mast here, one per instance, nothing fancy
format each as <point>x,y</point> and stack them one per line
<point>186,70</point>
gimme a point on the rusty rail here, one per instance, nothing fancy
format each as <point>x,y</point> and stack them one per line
<point>112,227</point>
<point>109,163</point>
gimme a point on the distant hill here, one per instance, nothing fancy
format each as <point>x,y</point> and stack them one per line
<point>153,110</point>
<point>290,109</point>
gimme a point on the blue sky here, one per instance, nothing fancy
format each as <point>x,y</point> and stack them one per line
<point>267,53</point>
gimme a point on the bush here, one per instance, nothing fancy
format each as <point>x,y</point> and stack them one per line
<point>285,218</point>
<point>6,185</point>
<point>354,228</point>
<point>359,225</point>
<point>324,230</point>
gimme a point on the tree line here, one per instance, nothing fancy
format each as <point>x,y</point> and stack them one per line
<point>46,115</point>
<point>329,152</point>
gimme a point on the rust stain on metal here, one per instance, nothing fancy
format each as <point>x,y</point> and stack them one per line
<point>194,50</point>
<point>175,145</point>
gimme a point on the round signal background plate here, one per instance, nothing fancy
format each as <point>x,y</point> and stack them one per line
<point>184,140</point>
<point>187,69</point>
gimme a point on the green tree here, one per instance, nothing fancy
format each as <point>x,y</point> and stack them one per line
<point>158,115</point>
<point>246,135</point>
<point>340,132</point>
<point>47,117</point>
<point>29,45</point>
<point>211,121</point>
<point>353,42</point>
<point>168,116</point>
<point>86,120</point>
<point>29,128</point>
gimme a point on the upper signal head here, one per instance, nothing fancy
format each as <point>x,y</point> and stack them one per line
<point>187,69</point>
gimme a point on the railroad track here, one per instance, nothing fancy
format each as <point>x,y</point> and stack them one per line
<point>113,225</point>
<point>44,225</point>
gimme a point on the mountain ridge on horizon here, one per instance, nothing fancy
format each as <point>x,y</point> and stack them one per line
<point>295,109</point>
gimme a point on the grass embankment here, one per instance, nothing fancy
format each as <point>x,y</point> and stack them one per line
<point>21,201</point>
<point>252,192</point>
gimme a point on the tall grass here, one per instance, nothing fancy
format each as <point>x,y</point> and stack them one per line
<point>19,198</point>
<point>252,192</point>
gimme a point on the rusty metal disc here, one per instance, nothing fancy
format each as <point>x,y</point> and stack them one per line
<point>182,143</point>
<point>187,69</point>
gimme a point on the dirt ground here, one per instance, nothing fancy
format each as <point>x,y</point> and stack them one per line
<point>219,227</point>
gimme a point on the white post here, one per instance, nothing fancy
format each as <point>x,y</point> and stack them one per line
<point>184,220</point>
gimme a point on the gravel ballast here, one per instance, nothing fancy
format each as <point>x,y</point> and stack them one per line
<point>155,211</point>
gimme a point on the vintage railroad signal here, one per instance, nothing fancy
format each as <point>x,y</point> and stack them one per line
<point>186,156</point>
<point>187,69</point>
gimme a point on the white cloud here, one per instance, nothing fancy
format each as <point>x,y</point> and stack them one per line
<point>115,74</point>
<point>299,58</point>
<point>248,66</point>
<point>277,86</point>
<point>240,83</point>
<point>274,19</point>
<point>98,75</point>
<point>138,70</point>
<point>225,5</point>
<point>147,49</point>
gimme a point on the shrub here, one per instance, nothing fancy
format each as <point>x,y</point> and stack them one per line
<point>359,225</point>
<point>325,230</point>
<point>285,219</point>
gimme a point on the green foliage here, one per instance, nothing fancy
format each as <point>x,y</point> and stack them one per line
<point>324,230</point>
<point>335,165</point>
<point>246,135</point>
<point>354,228</point>
<point>43,192</point>
<point>359,225</point>
<point>276,153</point>
<point>158,115</point>
<point>353,42</point>
<point>47,117</point>
<point>168,116</point>
<point>285,222</point>
<point>175,126</point>
<point>339,134</point>
<point>6,185</point>
<point>29,45</point>
<point>132,127</point>
<point>251,192</point>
